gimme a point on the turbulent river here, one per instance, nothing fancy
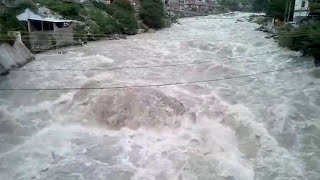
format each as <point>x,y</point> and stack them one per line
<point>207,99</point>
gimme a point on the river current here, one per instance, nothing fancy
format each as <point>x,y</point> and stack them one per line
<point>207,99</point>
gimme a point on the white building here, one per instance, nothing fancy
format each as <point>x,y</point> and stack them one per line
<point>301,10</point>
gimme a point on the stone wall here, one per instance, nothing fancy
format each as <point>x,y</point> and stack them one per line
<point>43,40</point>
<point>14,56</point>
<point>185,13</point>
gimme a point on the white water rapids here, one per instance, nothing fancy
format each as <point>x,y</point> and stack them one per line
<point>262,127</point>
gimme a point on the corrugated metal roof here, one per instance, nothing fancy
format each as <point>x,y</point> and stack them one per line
<point>29,15</point>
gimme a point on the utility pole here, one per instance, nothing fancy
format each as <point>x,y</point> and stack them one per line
<point>289,13</point>
<point>285,13</point>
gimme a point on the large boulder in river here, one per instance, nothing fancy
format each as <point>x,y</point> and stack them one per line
<point>131,108</point>
<point>139,107</point>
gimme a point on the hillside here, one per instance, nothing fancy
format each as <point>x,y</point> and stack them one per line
<point>94,18</point>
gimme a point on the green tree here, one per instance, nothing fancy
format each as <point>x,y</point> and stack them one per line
<point>71,10</point>
<point>259,5</point>
<point>106,23</point>
<point>123,12</point>
<point>127,22</point>
<point>277,8</point>
<point>152,13</point>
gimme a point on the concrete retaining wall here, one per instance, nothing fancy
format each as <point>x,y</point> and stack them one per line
<point>14,56</point>
<point>186,13</point>
<point>40,41</point>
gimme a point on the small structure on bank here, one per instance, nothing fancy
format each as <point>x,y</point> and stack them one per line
<point>306,9</point>
<point>45,33</point>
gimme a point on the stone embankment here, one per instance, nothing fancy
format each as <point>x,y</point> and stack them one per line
<point>14,56</point>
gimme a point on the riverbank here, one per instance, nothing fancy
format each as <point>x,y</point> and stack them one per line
<point>88,21</point>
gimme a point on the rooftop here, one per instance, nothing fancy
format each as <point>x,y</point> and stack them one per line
<point>29,15</point>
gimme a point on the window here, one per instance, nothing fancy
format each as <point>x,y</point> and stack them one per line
<point>303,4</point>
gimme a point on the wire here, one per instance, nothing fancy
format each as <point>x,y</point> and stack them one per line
<point>108,36</point>
<point>152,85</point>
<point>139,67</point>
<point>73,39</point>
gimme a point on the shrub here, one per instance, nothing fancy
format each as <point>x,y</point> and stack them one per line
<point>306,38</point>
<point>5,38</point>
<point>106,23</point>
<point>124,5</point>
<point>21,5</point>
<point>152,13</point>
<point>233,5</point>
<point>80,31</point>
<point>127,22</point>
<point>71,10</point>
<point>123,12</point>
<point>259,5</point>
<point>99,5</point>
<point>277,8</point>
<point>11,23</point>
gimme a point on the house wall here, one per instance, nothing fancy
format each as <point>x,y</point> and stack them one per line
<point>299,11</point>
<point>43,40</point>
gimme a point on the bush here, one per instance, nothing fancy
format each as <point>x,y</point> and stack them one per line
<point>9,22</point>
<point>21,5</point>
<point>306,38</point>
<point>123,12</point>
<point>71,10</point>
<point>152,14</point>
<point>107,24</point>
<point>277,8</point>
<point>5,38</point>
<point>124,4</point>
<point>233,5</point>
<point>127,22</point>
<point>259,5</point>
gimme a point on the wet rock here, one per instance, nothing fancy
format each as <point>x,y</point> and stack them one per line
<point>152,31</point>
<point>317,60</point>
<point>47,13</point>
<point>143,26</point>
<point>45,169</point>
<point>239,20</point>
<point>63,52</point>
<point>140,31</point>
<point>135,108</point>
<point>3,71</point>
<point>270,36</point>
<point>114,37</point>
<point>80,42</point>
<point>122,36</point>
<point>261,28</point>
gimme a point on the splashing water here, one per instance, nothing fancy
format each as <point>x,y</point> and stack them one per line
<point>258,127</point>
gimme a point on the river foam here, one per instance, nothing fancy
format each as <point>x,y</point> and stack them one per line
<point>259,127</point>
